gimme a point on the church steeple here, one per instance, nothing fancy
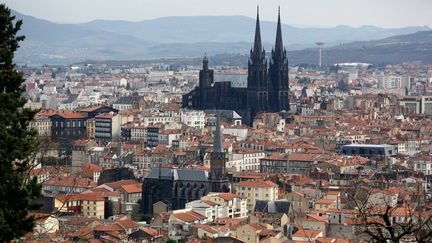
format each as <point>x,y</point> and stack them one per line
<point>218,159</point>
<point>217,144</point>
<point>279,44</point>
<point>257,43</point>
<point>205,62</point>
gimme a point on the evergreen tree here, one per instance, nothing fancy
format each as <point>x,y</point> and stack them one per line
<point>17,141</point>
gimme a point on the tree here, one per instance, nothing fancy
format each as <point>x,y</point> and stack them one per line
<point>17,140</point>
<point>381,218</point>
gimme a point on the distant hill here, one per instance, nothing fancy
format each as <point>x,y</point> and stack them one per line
<point>48,42</point>
<point>227,29</point>
<point>171,37</point>
<point>395,49</point>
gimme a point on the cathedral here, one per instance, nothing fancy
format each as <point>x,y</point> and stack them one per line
<point>267,83</point>
<point>177,186</point>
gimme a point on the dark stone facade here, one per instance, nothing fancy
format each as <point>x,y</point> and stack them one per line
<point>179,186</point>
<point>267,84</point>
<point>116,174</point>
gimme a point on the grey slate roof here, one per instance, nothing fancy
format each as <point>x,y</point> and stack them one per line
<point>278,206</point>
<point>164,173</point>
<point>190,175</point>
<point>178,174</point>
<point>127,100</point>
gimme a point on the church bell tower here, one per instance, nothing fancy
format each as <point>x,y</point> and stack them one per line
<point>218,178</point>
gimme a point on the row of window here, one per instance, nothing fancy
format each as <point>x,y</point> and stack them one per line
<point>69,124</point>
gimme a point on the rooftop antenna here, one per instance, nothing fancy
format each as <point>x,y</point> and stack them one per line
<point>320,47</point>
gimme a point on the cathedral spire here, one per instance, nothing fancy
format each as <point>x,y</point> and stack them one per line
<point>257,44</point>
<point>217,145</point>
<point>205,62</point>
<point>279,43</point>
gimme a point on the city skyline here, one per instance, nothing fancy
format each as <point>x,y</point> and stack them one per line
<point>311,13</point>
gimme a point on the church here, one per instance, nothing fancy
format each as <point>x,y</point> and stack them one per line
<point>267,83</point>
<point>177,186</point>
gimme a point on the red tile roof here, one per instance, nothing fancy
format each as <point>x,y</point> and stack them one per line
<point>132,188</point>
<point>257,184</point>
<point>108,227</point>
<point>189,216</point>
<point>307,233</point>
<point>127,223</point>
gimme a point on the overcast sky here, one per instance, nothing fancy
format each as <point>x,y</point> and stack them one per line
<point>384,13</point>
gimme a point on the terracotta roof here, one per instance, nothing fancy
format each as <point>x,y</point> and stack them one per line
<point>117,184</point>
<point>307,233</point>
<point>190,216</point>
<point>316,217</point>
<point>132,188</point>
<point>213,229</point>
<point>89,169</point>
<point>88,196</point>
<point>70,181</point>
<point>70,115</point>
<point>108,227</point>
<point>160,149</point>
<point>227,196</point>
<point>257,184</point>
<point>257,226</point>
<point>150,231</point>
<point>127,223</point>
<point>81,142</point>
<point>208,202</point>
<point>331,240</point>
<point>91,196</point>
<point>325,201</point>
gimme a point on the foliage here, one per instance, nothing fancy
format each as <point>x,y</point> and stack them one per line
<point>17,141</point>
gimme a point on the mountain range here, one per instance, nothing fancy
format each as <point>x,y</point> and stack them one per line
<point>49,42</point>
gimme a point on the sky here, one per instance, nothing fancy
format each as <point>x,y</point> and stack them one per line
<point>301,13</point>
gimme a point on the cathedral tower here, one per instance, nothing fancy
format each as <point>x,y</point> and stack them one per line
<point>257,81</point>
<point>278,74</point>
<point>206,76</point>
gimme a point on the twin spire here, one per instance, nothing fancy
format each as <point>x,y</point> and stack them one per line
<point>279,43</point>
<point>257,43</point>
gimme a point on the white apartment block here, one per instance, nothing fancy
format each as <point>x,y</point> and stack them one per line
<point>257,190</point>
<point>219,205</point>
<point>192,118</point>
<point>245,161</point>
<point>423,165</point>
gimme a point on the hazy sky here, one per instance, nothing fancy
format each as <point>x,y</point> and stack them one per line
<point>385,13</point>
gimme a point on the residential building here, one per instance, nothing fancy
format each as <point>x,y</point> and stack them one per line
<point>81,153</point>
<point>256,190</point>
<point>43,125</point>
<point>192,118</point>
<point>107,127</point>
